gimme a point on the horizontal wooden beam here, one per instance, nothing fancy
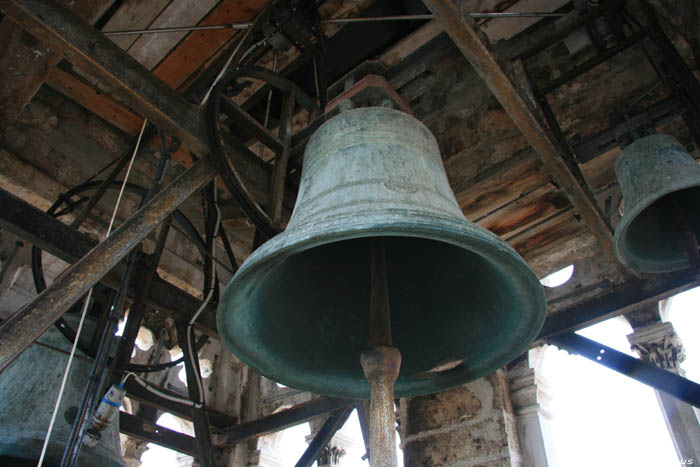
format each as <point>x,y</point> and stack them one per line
<point>251,126</point>
<point>125,79</point>
<point>281,420</point>
<point>156,434</point>
<point>32,320</point>
<point>142,395</point>
<point>51,235</point>
<point>473,44</point>
<point>631,294</point>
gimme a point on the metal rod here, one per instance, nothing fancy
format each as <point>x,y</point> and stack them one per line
<point>662,380</point>
<point>381,365</point>
<point>335,421</point>
<point>379,319</point>
<point>279,170</point>
<point>370,19</point>
<point>30,322</point>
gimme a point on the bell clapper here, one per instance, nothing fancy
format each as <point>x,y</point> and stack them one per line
<point>381,365</point>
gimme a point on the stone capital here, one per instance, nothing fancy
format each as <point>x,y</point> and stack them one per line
<point>658,344</point>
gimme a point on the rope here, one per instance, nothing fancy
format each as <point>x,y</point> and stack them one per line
<point>85,307</point>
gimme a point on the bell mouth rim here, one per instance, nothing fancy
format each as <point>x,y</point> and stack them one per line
<point>446,229</point>
<point>625,256</point>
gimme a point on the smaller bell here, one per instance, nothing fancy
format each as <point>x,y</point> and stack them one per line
<point>660,183</point>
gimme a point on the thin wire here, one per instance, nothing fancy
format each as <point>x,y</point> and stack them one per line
<point>225,67</point>
<point>85,307</point>
<point>372,19</point>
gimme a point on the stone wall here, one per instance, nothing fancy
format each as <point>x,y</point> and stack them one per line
<point>471,425</point>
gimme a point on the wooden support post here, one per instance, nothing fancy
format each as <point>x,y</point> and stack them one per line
<point>471,41</point>
<point>30,322</point>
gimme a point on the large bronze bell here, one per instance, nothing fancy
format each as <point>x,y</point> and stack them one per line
<point>463,302</point>
<point>660,184</point>
<point>28,389</point>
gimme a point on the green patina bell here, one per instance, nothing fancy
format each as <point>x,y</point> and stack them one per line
<point>463,303</point>
<point>660,183</point>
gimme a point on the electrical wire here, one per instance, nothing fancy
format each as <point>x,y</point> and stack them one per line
<point>148,387</point>
<point>86,306</point>
<point>212,287</point>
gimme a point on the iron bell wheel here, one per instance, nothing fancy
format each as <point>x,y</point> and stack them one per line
<point>654,172</point>
<point>463,302</point>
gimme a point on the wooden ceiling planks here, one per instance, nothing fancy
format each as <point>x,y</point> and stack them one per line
<point>502,184</point>
<point>133,14</point>
<point>150,49</point>
<point>195,50</point>
<point>525,212</point>
<point>75,88</point>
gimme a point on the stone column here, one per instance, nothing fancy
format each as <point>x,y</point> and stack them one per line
<point>132,450</point>
<point>471,425</point>
<point>658,344</point>
<point>334,451</point>
<point>529,392</point>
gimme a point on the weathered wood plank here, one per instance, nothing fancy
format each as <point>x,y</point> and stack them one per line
<point>281,420</point>
<point>74,87</point>
<point>125,79</point>
<point>25,63</point>
<point>152,433</point>
<point>497,29</point>
<point>150,49</point>
<point>32,320</point>
<point>409,44</point>
<point>133,14</point>
<point>554,243</point>
<point>500,185</point>
<point>632,294</point>
<point>197,47</point>
<point>61,241</point>
<point>525,211</point>
<point>476,49</point>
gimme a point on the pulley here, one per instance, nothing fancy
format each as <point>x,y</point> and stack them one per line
<point>463,303</point>
<point>660,184</point>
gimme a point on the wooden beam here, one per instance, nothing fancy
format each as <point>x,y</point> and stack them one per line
<point>25,62</point>
<point>142,395</point>
<point>31,321</point>
<point>56,238</point>
<point>472,43</point>
<point>631,294</point>
<point>74,87</point>
<point>156,434</point>
<point>120,74</point>
<point>281,420</point>
<point>127,81</point>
